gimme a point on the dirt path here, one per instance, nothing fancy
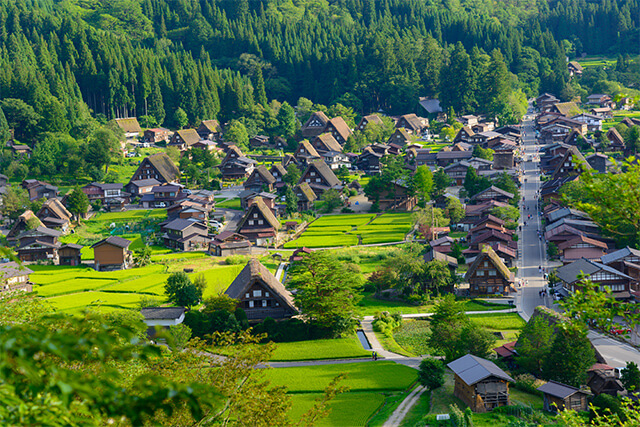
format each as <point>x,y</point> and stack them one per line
<point>401,411</point>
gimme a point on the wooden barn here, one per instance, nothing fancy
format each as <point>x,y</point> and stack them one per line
<point>480,383</point>
<point>558,396</point>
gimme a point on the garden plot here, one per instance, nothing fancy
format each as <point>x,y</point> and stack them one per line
<point>106,301</point>
<point>386,228</point>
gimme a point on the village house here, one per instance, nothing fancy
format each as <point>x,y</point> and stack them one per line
<point>306,153</point>
<point>413,124</point>
<point>493,193</point>
<point>599,99</point>
<point>39,189</point>
<point>468,120</point>
<point>457,172</point>
<point>336,159</point>
<point>14,277</point>
<point>259,141</point>
<point>278,172</point>
<point>445,158</point>
<point>581,247</point>
<point>235,165</point>
<point>465,134</point>
<point>626,260</point>
<point>112,253</point>
<point>110,194</point>
<point>400,137</point>
<point>571,164</point>
<point>489,275</point>
<point>325,143</point>
<point>20,150</point>
<point>210,129</point>
<point>38,244</point>
<point>229,243</point>
<point>155,135</point>
<point>27,220</point>
<point>479,138</point>
<point>183,139</point>
<point>185,235</point>
<point>396,197</point>
<point>207,145</point>
<point>594,123</point>
<point>70,254</point>
<point>130,126</point>
<point>600,162</point>
<point>545,101</point>
<point>483,127</point>
<point>260,294</point>
<point>443,244</point>
<point>603,380</point>
<point>372,118</point>
<point>157,166</point>
<point>260,180</point>
<point>479,383</point>
<point>570,275</point>
<point>187,209</point>
<point>339,129</point>
<point>142,186</point>
<point>369,161</point>
<point>602,112</point>
<point>259,224</point>
<point>433,255</point>
<point>306,196</point>
<point>616,141</point>
<point>247,195</point>
<point>53,214</point>
<point>162,318</point>
<point>574,68</point>
<point>564,108</point>
<point>558,397</point>
<point>320,178</point>
<point>315,125</point>
<point>162,196</point>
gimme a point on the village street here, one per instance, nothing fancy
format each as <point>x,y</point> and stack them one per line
<point>533,255</point>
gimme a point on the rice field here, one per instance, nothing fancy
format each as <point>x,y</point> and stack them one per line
<point>351,230</point>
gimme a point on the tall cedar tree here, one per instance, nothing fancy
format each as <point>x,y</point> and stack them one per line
<point>570,356</point>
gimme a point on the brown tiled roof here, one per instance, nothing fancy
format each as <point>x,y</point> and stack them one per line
<point>487,253</point>
<point>329,142</point>
<point>254,270</point>
<point>165,166</point>
<point>115,241</point>
<point>129,125</point>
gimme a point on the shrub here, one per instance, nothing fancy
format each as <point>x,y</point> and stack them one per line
<point>236,259</point>
<point>385,323</point>
<point>431,373</point>
<point>527,383</point>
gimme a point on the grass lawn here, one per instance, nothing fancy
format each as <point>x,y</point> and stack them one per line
<point>347,409</point>
<point>391,402</point>
<point>229,204</point>
<point>442,397</point>
<point>105,301</point>
<point>369,305</point>
<point>339,348</point>
<point>363,376</point>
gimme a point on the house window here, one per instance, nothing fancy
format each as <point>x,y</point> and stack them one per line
<point>250,304</point>
<point>247,295</point>
<point>266,294</point>
<point>480,273</point>
<point>260,222</point>
<point>492,272</point>
<point>313,173</point>
<point>257,293</point>
<point>255,215</point>
<point>250,222</point>
<point>307,180</point>
<point>264,302</point>
<point>486,264</point>
<point>318,180</point>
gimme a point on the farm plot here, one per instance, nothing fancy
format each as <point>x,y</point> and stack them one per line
<point>347,409</point>
<point>339,348</point>
<point>219,278</point>
<point>108,301</point>
<point>363,376</point>
<point>386,228</point>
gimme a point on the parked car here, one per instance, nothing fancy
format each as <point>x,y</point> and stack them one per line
<point>215,223</point>
<point>619,331</point>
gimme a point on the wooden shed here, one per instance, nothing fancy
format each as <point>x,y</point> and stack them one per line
<point>480,383</point>
<point>558,396</point>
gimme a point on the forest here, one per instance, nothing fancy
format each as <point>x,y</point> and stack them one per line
<point>64,63</point>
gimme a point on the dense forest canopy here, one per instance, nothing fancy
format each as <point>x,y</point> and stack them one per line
<point>223,59</point>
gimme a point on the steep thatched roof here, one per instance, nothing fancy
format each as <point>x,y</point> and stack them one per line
<point>488,254</point>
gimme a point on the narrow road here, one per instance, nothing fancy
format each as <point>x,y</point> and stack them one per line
<point>533,255</point>
<point>401,411</point>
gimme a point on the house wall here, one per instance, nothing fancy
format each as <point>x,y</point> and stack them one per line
<point>254,305</point>
<point>107,254</point>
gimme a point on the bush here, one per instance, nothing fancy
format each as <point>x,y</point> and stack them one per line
<point>346,210</point>
<point>236,260</point>
<point>386,323</point>
<point>431,373</point>
<point>527,383</point>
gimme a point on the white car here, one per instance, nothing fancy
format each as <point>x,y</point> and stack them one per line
<point>215,223</point>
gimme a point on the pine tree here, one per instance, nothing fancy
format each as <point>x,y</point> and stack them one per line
<point>259,91</point>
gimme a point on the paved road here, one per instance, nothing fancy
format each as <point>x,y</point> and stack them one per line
<point>532,255</point>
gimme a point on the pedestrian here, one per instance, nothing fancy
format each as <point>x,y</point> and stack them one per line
<point>375,355</point>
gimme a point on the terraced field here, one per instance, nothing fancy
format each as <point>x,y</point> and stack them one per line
<point>350,230</point>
